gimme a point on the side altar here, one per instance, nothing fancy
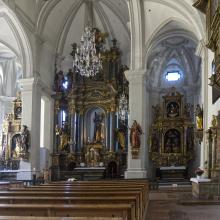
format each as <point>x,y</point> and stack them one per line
<point>172,136</point>
<point>88,132</point>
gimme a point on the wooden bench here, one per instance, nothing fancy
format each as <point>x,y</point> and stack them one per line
<point>57,218</point>
<point>126,211</point>
<point>72,200</point>
<point>102,186</point>
<point>97,186</point>
<point>84,193</point>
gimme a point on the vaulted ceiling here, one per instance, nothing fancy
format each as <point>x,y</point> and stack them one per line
<point>61,22</point>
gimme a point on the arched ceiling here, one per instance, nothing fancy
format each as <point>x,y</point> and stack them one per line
<point>173,42</point>
<point>61,23</point>
<point>7,37</point>
<point>6,52</point>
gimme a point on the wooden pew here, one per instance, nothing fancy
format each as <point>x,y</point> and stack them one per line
<point>144,183</point>
<point>99,186</point>
<point>126,211</point>
<point>131,192</point>
<point>72,200</point>
<point>57,218</point>
<point>111,196</point>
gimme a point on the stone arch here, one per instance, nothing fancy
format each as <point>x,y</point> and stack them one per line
<point>21,38</point>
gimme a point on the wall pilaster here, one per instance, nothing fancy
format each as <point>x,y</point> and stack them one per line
<point>138,106</point>
<point>31,110</point>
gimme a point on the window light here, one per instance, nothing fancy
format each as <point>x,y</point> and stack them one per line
<point>173,76</point>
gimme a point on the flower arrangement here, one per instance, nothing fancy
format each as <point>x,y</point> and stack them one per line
<point>199,171</point>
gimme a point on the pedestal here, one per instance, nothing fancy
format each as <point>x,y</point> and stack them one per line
<point>204,188</point>
<point>135,174</point>
<point>24,173</point>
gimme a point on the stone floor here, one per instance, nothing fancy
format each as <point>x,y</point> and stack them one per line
<point>165,204</point>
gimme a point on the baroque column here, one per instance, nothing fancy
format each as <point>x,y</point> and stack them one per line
<point>138,106</point>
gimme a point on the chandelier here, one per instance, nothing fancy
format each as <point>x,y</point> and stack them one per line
<point>123,107</point>
<point>86,61</point>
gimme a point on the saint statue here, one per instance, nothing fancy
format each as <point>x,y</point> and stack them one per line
<point>17,150</point>
<point>98,128</point>
<point>25,139</point>
<point>121,136</point>
<point>135,132</point>
<point>64,139</point>
<point>199,117</point>
<point>92,157</point>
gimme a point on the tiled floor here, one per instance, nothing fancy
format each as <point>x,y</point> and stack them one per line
<point>164,205</point>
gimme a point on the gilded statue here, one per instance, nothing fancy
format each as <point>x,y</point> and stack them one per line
<point>63,135</point>
<point>120,134</point>
<point>199,117</point>
<point>135,132</point>
<point>18,147</point>
<point>64,140</point>
<point>92,157</point>
<point>98,128</point>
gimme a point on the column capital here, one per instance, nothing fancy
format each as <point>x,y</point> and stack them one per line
<point>136,75</point>
<point>26,84</point>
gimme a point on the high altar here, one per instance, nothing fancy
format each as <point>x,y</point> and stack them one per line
<point>172,136</point>
<point>88,133</point>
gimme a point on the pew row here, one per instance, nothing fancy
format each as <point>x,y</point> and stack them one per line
<point>57,218</point>
<point>124,211</point>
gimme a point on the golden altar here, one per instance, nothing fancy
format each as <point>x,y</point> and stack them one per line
<point>171,137</point>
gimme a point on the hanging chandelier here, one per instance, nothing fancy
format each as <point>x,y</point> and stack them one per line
<point>86,61</point>
<point>123,107</point>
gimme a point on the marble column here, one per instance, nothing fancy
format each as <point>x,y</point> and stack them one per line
<point>139,110</point>
<point>31,110</point>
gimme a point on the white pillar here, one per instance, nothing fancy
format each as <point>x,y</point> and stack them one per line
<point>138,102</point>
<point>31,109</point>
<point>202,51</point>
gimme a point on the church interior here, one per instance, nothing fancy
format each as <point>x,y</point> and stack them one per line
<point>115,101</point>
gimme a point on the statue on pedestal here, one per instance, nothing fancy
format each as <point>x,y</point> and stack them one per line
<point>135,133</point>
